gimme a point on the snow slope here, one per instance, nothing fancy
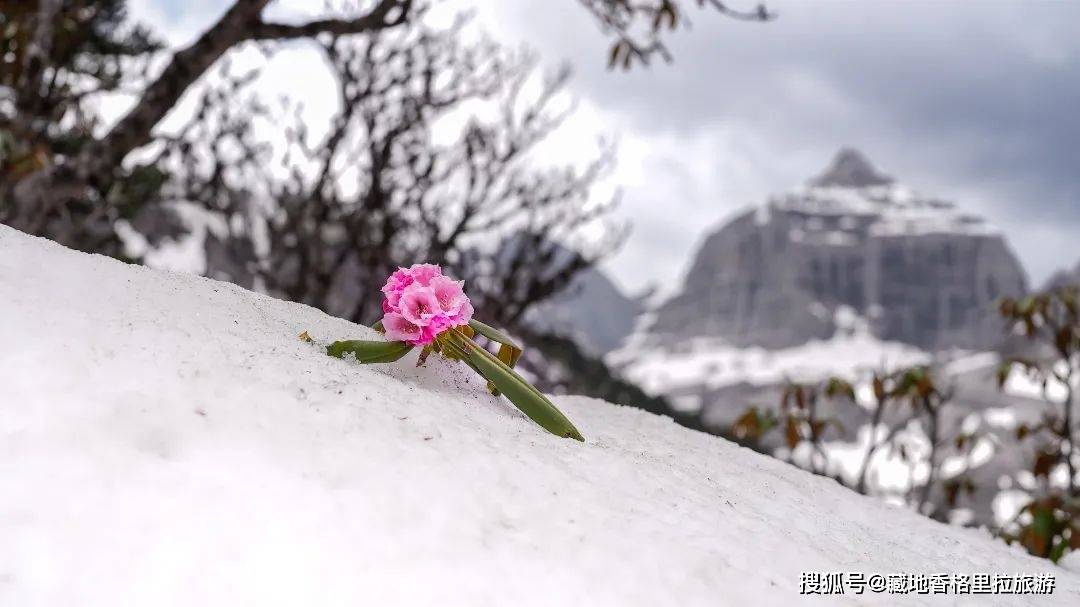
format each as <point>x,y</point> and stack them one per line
<point>167,440</point>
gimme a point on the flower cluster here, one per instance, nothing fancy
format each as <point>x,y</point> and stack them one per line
<point>420,306</point>
<point>421,303</point>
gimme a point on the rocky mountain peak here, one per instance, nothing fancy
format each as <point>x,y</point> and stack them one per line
<point>920,270</point>
<point>851,169</point>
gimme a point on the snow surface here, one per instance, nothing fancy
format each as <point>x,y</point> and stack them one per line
<point>851,351</point>
<point>167,440</point>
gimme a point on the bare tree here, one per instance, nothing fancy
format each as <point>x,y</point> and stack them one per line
<point>378,191</point>
<point>61,177</point>
<point>929,399</point>
<point>62,173</point>
<point>881,385</point>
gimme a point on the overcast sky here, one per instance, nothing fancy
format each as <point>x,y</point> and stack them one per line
<point>972,101</point>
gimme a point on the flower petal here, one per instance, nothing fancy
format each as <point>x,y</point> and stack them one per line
<point>399,328</point>
<point>419,305</point>
<point>423,273</point>
<point>450,294</point>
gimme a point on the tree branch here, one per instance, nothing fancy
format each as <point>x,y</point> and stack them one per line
<point>240,23</point>
<point>759,13</point>
<point>380,17</point>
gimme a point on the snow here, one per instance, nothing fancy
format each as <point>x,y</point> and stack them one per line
<point>895,209</point>
<point>851,351</point>
<point>1071,561</point>
<point>167,440</point>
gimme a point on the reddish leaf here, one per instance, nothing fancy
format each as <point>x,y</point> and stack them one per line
<point>879,389</point>
<point>748,425</point>
<point>793,434</point>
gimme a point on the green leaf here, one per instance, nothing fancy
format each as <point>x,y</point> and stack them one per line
<point>522,394</point>
<point>509,352</point>
<point>493,334</point>
<point>369,351</point>
<point>509,356</point>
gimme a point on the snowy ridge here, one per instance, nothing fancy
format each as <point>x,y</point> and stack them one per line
<point>167,440</point>
<point>714,363</point>
<point>924,272</point>
<point>853,187</point>
<point>892,209</point>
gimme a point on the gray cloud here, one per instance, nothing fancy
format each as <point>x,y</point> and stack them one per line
<point>974,101</point>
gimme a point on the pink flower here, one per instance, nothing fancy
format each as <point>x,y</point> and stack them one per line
<point>418,305</point>
<point>449,294</point>
<point>438,324</point>
<point>421,303</point>
<point>398,328</point>
<point>395,286</point>
<point>464,315</point>
<point>423,273</point>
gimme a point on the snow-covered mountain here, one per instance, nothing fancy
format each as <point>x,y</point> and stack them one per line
<point>923,271</point>
<point>850,273</point>
<point>167,440</point>
<point>722,379</point>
